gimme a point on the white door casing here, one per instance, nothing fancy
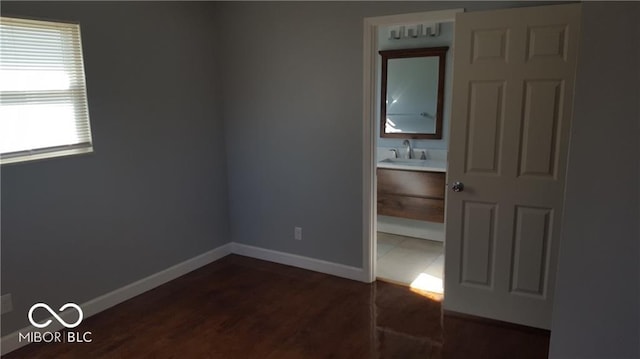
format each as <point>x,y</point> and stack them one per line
<point>513,85</point>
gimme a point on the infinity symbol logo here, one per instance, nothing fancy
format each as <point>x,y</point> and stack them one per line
<point>62,309</point>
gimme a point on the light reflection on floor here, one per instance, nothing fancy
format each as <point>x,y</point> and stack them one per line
<point>428,282</point>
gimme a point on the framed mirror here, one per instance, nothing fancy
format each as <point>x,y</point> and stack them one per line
<point>412,100</point>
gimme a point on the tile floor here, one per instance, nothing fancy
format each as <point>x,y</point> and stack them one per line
<point>410,261</point>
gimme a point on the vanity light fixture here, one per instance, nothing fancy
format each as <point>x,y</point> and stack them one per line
<point>396,33</point>
<point>414,31</point>
<point>432,30</point>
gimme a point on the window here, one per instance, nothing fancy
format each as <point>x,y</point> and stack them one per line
<point>43,97</point>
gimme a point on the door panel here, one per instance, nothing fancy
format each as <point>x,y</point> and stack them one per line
<point>539,143</point>
<point>485,124</point>
<point>547,42</point>
<point>530,254</point>
<point>489,46</point>
<point>512,106</point>
<point>478,240</point>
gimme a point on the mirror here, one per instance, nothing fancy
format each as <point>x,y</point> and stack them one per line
<point>412,93</point>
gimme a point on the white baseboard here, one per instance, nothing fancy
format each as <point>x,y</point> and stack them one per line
<point>94,306</point>
<point>129,291</point>
<point>294,260</point>
<point>11,341</point>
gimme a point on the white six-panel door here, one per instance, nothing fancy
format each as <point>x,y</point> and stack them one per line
<point>512,108</point>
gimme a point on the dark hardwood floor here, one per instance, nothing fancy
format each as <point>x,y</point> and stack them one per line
<point>239,307</point>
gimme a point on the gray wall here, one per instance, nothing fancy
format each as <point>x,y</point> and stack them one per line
<point>596,307</point>
<point>293,121</point>
<point>154,192</point>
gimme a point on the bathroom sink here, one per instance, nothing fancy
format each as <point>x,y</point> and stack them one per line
<point>414,164</point>
<point>406,161</point>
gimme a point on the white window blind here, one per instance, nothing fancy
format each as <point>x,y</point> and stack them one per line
<point>43,97</point>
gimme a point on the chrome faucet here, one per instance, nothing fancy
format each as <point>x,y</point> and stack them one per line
<point>408,144</point>
<point>395,152</point>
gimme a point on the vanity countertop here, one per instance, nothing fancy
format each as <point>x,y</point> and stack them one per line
<point>414,165</point>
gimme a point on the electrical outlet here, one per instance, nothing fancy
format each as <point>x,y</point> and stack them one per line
<point>297,233</point>
<point>6,304</point>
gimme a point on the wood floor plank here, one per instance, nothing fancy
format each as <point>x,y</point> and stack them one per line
<point>239,307</point>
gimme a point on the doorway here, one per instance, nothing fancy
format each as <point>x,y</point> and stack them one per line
<point>510,124</point>
<point>404,248</point>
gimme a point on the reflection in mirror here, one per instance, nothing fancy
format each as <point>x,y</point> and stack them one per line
<point>412,93</point>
